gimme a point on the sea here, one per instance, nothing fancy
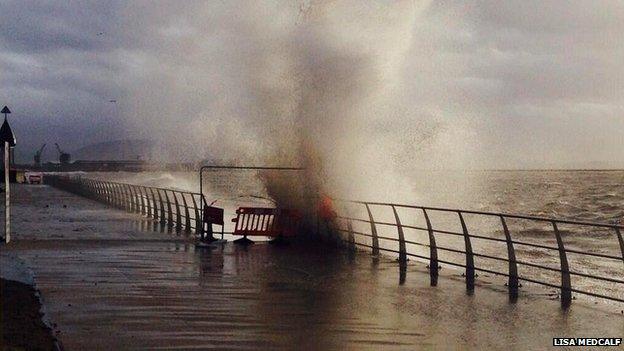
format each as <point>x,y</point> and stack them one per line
<point>578,195</point>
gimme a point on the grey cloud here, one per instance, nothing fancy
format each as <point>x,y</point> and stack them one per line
<point>44,26</point>
<point>59,71</point>
<point>482,83</point>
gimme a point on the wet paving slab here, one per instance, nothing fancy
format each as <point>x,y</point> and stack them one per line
<point>136,288</point>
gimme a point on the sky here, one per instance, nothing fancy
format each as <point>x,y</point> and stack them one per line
<point>411,84</point>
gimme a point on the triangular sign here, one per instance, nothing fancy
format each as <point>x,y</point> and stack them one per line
<point>6,134</point>
<point>5,110</point>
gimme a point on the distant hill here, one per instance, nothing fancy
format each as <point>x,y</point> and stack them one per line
<point>116,150</point>
<point>138,149</point>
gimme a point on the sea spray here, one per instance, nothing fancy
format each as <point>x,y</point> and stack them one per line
<point>316,84</point>
<point>345,64</point>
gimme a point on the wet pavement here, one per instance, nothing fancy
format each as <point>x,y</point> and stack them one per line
<point>110,281</point>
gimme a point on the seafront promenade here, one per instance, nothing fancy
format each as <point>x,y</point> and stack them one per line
<point>115,280</point>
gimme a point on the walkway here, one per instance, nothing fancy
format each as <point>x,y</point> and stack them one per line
<point>110,282</point>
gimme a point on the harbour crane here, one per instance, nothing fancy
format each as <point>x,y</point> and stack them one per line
<point>64,157</point>
<point>37,156</point>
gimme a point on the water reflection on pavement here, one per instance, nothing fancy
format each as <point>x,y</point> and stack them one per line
<point>128,287</point>
<point>172,295</point>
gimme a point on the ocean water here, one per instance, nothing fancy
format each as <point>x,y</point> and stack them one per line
<point>593,196</point>
<point>596,196</point>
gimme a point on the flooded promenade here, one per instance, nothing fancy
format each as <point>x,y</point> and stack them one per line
<point>114,280</point>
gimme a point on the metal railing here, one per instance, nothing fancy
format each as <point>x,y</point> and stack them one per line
<point>386,227</point>
<point>175,209</point>
<point>466,240</point>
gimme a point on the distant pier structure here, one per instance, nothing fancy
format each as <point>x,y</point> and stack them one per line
<point>107,166</point>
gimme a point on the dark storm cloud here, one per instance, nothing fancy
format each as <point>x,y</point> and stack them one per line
<point>58,71</point>
<point>509,84</point>
<point>48,26</point>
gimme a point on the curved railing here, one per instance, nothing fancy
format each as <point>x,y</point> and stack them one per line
<point>449,237</point>
<point>460,242</point>
<point>178,210</point>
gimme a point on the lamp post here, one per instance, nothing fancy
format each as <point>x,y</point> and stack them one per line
<point>8,140</point>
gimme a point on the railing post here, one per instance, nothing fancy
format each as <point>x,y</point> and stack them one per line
<point>132,198</point>
<point>101,191</point>
<point>621,240</point>
<point>137,199</point>
<point>163,219</point>
<point>351,239</point>
<point>113,193</point>
<point>402,250</point>
<point>142,196</point>
<point>512,283</point>
<point>104,186</point>
<point>178,214</point>
<point>470,270</point>
<point>199,230</point>
<point>96,189</point>
<point>145,201</point>
<point>433,252</point>
<point>148,201</point>
<point>154,204</point>
<point>116,195</point>
<point>129,198</point>
<point>123,190</point>
<point>119,196</point>
<point>111,198</point>
<point>169,211</point>
<point>566,286</point>
<point>187,214</point>
<point>373,231</point>
<point>106,192</point>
